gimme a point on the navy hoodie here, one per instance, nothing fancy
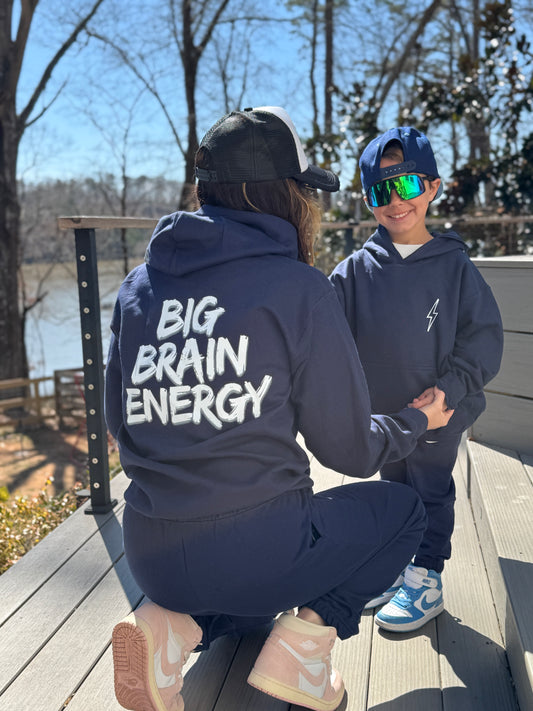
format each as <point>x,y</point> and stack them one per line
<point>429,319</point>
<point>224,347</point>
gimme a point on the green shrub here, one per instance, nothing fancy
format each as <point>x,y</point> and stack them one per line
<point>25,521</point>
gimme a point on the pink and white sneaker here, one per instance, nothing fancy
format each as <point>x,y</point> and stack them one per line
<point>295,665</point>
<point>150,647</point>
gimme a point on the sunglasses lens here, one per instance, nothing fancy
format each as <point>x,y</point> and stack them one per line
<point>407,187</point>
<point>379,194</point>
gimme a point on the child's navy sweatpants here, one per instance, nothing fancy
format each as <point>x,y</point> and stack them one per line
<point>428,470</point>
<point>331,551</point>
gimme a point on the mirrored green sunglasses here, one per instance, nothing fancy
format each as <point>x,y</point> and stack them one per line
<point>407,187</point>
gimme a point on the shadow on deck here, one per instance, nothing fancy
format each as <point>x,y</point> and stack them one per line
<point>63,598</point>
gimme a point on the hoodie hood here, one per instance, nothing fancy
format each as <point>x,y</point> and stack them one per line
<point>186,242</point>
<point>380,246</point>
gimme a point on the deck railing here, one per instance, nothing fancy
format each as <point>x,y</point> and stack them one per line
<point>21,399</point>
<point>89,303</point>
<point>91,335</point>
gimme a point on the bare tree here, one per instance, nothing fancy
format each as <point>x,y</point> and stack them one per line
<point>213,36</point>
<point>321,19</point>
<point>469,19</point>
<point>117,134</point>
<point>397,65</point>
<point>191,25</point>
<point>191,47</point>
<point>13,123</point>
<point>225,49</point>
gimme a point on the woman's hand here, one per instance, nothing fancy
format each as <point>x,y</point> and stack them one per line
<point>432,402</point>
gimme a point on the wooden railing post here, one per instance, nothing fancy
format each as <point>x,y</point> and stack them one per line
<point>93,371</point>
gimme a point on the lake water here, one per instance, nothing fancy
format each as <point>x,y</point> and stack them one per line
<point>53,334</point>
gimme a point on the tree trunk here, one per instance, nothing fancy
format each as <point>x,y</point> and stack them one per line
<point>123,212</point>
<point>13,362</point>
<point>477,130</point>
<point>312,69</point>
<point>190,56</point>
<point>187,193</point>
<point>328,92</point>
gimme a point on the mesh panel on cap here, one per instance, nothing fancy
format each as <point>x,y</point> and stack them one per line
<point>281,149</point>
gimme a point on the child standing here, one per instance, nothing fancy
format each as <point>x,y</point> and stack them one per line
<point>421,315</point>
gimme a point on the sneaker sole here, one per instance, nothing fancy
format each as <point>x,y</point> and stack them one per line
<point>291,695</point>
<point>135,686</point>
<point>409,626</point>
<point>381,600</point>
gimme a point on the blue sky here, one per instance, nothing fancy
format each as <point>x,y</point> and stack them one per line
<point>65,143</point>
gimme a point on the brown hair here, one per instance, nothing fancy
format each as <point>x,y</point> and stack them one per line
<point>393,150</point>
<point>285,198</point>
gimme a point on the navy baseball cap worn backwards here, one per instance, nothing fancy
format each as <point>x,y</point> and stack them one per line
<point>417,153</point>
<point>256,145</point>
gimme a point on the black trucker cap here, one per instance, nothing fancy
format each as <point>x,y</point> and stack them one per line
<point>255,145</point>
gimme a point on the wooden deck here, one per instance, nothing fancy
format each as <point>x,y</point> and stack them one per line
<point>61,600</point>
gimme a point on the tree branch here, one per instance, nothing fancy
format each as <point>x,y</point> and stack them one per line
<point>30,4</point>
<point>45,108</point>
<point>210,28</point>
<point>397,68</point>
<point>23,30</point>
<point>131,65</point>
<point>457,13</point>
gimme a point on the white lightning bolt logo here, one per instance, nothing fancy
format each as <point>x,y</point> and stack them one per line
<point>432,314</point>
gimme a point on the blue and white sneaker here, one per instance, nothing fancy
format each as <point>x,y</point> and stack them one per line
<point>385,596</point>
<point>417,601</point>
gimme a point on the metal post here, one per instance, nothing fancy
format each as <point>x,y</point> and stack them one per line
<point>93,371</point>
<point>349,244</point>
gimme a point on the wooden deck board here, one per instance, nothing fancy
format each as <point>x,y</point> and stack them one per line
<point>214,666</point>
<point>456,663</point>
<point>473,665</point>
<point>404,671</point>
<point>24,578</point>
<point>527,460</point>
<point>236,693</point>
<point>502,498</point>
<point>56,671</point>
<point>34,624</point>
<point>96,693</point>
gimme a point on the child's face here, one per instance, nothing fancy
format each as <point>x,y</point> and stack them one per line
<point>405,219</point>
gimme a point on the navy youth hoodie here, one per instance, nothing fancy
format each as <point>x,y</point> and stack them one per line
<point>224,346</point>
<point>429,319</point>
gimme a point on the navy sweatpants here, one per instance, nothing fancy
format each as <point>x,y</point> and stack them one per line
<point>428,470</point>
<point>331,551</point>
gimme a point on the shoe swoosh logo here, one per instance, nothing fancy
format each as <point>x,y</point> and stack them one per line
<point>313,676</point>
<point>173,654</point>
<point>174,649</point>
<point>314,689</point>
<point>162,680</point>
<point>426,603</point>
